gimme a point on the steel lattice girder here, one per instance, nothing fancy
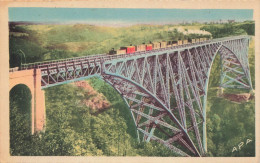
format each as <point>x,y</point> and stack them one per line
<point>165,91</point>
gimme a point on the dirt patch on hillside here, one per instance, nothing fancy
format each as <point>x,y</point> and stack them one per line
<point>243,97</point>
<point>96,101</point>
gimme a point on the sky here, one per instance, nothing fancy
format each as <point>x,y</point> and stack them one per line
<point>126,16</point>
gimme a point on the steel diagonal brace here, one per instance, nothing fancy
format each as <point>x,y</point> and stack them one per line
<point>233,69</point>
<point>149,121</point>
<point>231,62</point>
<point>168,80</point>
<point>143,72</point>
<point>138,117</point>
<point>180,84</point>
<point>143,103</point>
<point>194,69</point>
<point>230,56</point>
<point>235,80</point>
<point>243,65</point>
<point>204,56</point>
<point>201,61</point>
<point>179,100</point>
<point>174,129</point>
<point>186,78</point>
<point>192,112</point>
<point>239,59</point>
<point>208,53</point>
<point>147,139</point>
<point>215,51</point>
<point>119,69</point>
<point>131,69</point>
<point>59,75</point>
<point>136,105</point>
<point>200,70</point>
<point>69,74</point>
<point>98,71</point>
<point>137,71</point>
<point>175,149</point>
<point>211,48</point>
<point>124,71</point>
<point>180,134</point>
<point>52,78</point>
<point>162,85</point>
<point>151,133</point>
<point>85,70</point>
<point>110,66</point>
<point>155,75</point>
<point>195,88</point>
<point>149,74</point>
<point>92,69</point>
<point>45,83</point>
<point>186,144</point>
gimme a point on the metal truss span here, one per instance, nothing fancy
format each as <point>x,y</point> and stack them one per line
<point>165,89</point>
<point>166,92</point>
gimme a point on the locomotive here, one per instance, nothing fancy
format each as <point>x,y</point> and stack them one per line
<point>152,45</point>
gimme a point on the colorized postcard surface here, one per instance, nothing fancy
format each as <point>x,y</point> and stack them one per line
<point>120,83</point>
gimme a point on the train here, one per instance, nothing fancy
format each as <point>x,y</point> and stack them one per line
<point>152,45</point>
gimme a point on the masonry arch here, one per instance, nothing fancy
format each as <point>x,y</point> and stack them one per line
<point>32,80</point>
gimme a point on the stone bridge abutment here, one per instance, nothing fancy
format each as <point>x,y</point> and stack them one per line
<point>32,79</point>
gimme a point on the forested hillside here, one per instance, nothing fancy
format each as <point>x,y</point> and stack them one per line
<point>230,29</point>
<point>74,129</point>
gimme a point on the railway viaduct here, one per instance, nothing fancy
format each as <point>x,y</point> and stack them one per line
<point>165,89</point>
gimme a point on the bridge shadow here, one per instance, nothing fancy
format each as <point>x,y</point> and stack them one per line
<point>116,101</point>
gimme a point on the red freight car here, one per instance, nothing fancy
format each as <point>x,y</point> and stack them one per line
<point>149,47</point>
<point>129,49</point>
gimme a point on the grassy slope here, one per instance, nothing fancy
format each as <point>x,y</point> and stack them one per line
<point>49,42</point>
<point>87,39</point>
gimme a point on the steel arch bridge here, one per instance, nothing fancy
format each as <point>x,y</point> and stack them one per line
<point>165,89</point>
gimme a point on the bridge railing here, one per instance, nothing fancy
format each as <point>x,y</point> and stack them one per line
<point>54,62</point>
